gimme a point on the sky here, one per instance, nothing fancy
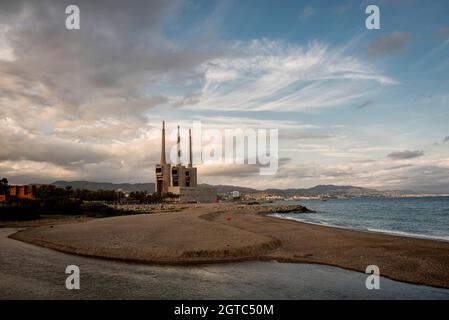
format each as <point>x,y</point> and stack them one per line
<point>352,106</point>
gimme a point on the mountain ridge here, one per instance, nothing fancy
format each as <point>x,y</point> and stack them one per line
<point>329,189</point>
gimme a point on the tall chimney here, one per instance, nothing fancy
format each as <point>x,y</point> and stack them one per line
<point>190,148</point>
<point>179,148</point>
<point>163,161</point>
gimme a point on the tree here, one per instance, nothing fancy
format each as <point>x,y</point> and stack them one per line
<point>4,186</point>
<point>69,191</point>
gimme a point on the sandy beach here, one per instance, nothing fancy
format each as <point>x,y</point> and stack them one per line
<point>193,234</point>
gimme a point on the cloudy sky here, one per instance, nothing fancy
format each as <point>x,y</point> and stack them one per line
<point>352,106</point>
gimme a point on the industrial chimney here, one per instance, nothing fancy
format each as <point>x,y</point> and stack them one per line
<point>163,160</point>
<point>179,148</point>
<point>190,148</point>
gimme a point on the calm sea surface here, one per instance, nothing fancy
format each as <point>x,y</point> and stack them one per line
<point>417,217</point>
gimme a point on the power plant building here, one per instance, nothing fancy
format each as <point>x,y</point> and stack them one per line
<point>180,179</point>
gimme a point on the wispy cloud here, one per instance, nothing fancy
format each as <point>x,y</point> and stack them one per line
<point>308,11</point>
<point>404,155</point>
<point>279,76</point>
<point>89,104</point>
<point>365,104</point>
<point>389,45</point>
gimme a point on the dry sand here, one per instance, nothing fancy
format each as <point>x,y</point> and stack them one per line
<point>223,232</point>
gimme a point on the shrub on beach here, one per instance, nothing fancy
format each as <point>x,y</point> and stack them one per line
<point>61,206</point>
<point>22,210</point>
<point>51,200</point>
<point>94,209</point>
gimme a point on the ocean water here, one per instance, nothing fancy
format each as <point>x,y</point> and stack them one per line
<point>425,217</point>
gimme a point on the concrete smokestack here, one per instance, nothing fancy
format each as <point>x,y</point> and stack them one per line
<point>190,148</point>
<point>163,160</point>
<point>179,148</point>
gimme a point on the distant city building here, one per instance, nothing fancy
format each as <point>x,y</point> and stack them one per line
<point>19,192</point>
<point>235,194</point>
<point>180,179</point>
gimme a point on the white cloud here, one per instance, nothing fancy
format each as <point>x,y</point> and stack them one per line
<point>279,76</point>
<point>6,51</point>
<point>308,11</point>
<point>90,108</point>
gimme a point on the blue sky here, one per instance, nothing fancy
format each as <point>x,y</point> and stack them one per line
<point>353,106</point>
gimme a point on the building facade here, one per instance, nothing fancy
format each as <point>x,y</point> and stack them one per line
<point>19,192</point>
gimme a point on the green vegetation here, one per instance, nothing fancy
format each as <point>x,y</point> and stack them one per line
<point>50,192</point>
<point>65,201</point>
<point>143,197</point>
<point>100,210</point>
<point>23,210</point>
<point>4,186</point>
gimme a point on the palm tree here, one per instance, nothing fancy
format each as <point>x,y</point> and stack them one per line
<point>69,191</point>
<point>4,185</point>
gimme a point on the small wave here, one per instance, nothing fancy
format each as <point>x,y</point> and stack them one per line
<point>409,234</point>
<point>384,231</point>
<point>318,223</point>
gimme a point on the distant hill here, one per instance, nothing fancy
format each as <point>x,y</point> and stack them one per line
<point>329,190</point>
<point>227,188</point>
<point>128,187</point>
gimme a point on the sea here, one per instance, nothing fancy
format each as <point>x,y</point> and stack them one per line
<point>420,217</point>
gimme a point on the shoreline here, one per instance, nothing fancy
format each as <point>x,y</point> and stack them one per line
<point>233,233</point>
<point>209,262</point>
<point>68,219</point>
<point>109,279</point>
<point>379,231</point>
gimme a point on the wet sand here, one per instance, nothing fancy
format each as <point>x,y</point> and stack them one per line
<point>225,233</point>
